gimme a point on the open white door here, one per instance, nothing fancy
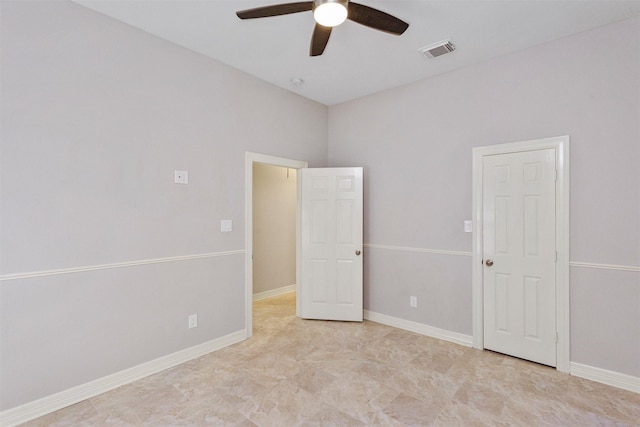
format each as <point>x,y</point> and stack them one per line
<point>330,277</point>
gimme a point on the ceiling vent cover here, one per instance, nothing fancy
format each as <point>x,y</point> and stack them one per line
<point>438,49</point>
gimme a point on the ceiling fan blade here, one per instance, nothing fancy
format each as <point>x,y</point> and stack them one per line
<point>376,19</point>
<point>319,39</point>
<point>275,10</point>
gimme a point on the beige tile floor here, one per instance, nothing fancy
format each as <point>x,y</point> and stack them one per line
<point>315,373</point>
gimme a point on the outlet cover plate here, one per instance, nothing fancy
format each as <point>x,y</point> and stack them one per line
<point>193,321</point>
<point>181,177</point>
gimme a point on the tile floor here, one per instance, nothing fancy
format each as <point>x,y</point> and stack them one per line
<point>315,373</point>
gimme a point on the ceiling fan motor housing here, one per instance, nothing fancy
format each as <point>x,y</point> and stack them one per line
<point>317,3</point>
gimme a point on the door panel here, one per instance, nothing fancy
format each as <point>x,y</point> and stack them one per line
<point>319,278</point>
<point>317,221</point>
<point>519,237</point>
<point>531,307</point>
<point>502,302</point>
<point>331,244</point>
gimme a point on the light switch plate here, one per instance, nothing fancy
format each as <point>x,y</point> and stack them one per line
<point>226,225</point>
<point>468,226</point>
<point>181,177</point>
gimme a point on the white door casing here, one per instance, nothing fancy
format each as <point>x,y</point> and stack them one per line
<point>560,147</point>
<point>330,275</point>
<point>519,254</point>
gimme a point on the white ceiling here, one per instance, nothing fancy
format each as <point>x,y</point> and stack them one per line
<point>358,60</point>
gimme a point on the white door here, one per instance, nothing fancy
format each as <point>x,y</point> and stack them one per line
<point>330,285</point>
<point>519,254</point>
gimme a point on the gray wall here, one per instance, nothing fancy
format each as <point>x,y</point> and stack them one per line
<point>95,118</point>
<point>415,144</point>
<point>274,227</point>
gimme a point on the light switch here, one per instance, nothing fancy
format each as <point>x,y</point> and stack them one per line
<point>226,225</point>
<point>468,226</point>
<point>181,177</point>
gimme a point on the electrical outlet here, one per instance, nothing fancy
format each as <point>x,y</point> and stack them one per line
<point>181,177</point>
<point>413,302</point>
<point>193,321</point>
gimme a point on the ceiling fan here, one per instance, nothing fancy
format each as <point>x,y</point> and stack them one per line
<point>328,14</point>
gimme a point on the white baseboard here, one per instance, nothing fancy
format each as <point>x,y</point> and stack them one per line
<point>615,379</point>
<point>273,292</point>
<point>54,402</point>
<point>419,328</point>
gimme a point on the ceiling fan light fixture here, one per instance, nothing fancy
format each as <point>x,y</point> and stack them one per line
<point>330,13</point>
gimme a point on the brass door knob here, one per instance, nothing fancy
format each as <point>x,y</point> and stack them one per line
<point>357,252</point>
<point>489,262</point>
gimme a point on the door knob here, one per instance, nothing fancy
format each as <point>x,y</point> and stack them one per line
<point>489,262</point>
<point>357,252</point>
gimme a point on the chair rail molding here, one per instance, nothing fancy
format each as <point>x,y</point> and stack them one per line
<point>28,275</point>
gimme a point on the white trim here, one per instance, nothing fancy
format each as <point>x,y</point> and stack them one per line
<point>273,293</point>
<point>561,145</point>
<point>423,250</point>
<point>605,266</point>
<point>54,402</point>
<point>249,159</point>
<point>614,379</point>
<point>419,328</point>
<point>28,275</point>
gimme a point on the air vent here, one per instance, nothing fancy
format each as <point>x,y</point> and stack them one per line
<point>438,49</point>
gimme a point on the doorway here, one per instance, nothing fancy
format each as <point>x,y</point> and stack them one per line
<point>274,230</point>
<point>252,159</point>
<point>532,254</point>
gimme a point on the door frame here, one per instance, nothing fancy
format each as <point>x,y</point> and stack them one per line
<point>250,159</point>
<point>561,146</point>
